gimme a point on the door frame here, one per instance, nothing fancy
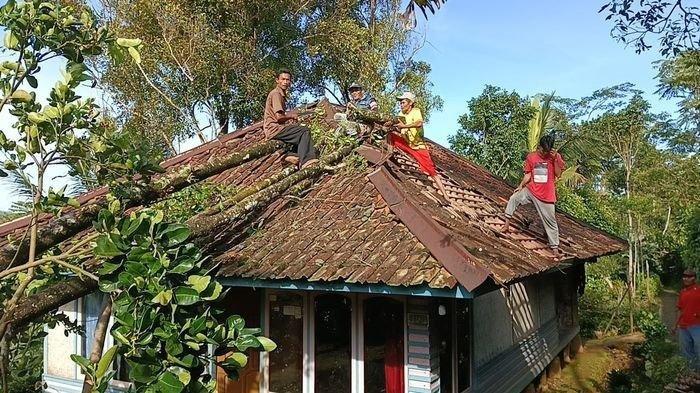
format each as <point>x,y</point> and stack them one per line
<point>360,319</point>
<point>265,358</point>
<point>308,339</point>
<point>311,348</point>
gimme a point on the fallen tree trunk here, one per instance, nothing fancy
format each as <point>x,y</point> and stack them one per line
<point>203,227</point>
<point>72,222</point>
<point>207,225</point>
<point>34,306</point>
<point>248,191</point>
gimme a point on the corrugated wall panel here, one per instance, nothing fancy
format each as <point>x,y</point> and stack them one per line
<point>493,329</point>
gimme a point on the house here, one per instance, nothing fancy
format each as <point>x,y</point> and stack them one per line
<point>368,284</point>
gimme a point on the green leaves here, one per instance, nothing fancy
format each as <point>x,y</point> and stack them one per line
<point>99,374</point>
<point>186,296</point>
<point>267,344</point>
<point>106,362</point>
<point>156,307</point>
<point>82,362</point>
<point>236,360</point>
<point>135,55</point>
<point>36,118</point>
<point>22,96</point>
<point>494,132</point>
<point>143,373</point>
<point>129,42</point>
<point>106,248</point>
<point>163,297</point>
<point>131,46</point>
<point>175,234</point>
<point>170,383</point>
<point>199,283</point>
<point>11,41</point>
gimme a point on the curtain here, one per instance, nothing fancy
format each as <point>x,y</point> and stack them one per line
<point>393,357</point>
<point>92,307</point>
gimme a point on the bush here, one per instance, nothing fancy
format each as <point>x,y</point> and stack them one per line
<point>605,285</point>
<point>658,354</point>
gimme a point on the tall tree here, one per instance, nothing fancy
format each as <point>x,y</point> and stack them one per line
<point>680,78</point>
<point>675,23</point>
<point>627,132</point>
<point>208,65</point>
<point>494,132</point>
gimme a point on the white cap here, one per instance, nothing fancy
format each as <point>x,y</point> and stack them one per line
<point>408,96</point>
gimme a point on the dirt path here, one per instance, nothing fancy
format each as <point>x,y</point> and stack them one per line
<point>589,370</point>
<point>669,298</point>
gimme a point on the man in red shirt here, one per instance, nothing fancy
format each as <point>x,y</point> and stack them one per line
<point>541,168</point>
<point>688,323</point>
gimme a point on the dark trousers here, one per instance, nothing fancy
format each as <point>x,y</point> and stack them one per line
<point>300,138</point>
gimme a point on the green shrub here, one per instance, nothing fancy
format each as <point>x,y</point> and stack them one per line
<point>661,373</point>
<point>605,286</point>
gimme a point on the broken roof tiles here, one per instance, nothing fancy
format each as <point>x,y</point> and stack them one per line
<point>344,230</point>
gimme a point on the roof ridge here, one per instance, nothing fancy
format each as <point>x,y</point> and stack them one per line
<point>452,255</point>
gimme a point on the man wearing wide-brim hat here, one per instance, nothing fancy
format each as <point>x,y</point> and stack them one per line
<point>409,138</point>
<point>688,323</point>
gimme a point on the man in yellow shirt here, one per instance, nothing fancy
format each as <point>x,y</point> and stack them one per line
<point>409,139</point>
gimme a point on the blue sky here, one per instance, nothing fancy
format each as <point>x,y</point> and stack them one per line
<point>530,47</point>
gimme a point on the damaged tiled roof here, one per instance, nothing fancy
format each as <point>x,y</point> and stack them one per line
<point>383,225</point>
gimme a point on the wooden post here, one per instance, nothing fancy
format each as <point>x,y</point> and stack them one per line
<point>566,354</point>
<point>554,367</point>
<point>576,345</point>
<point>542,382</point>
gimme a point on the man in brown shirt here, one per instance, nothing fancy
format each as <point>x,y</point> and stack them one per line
<point>279,125</point>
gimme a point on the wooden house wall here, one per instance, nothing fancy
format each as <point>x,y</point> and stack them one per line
<point>542,316</point>
<point>57,361</point>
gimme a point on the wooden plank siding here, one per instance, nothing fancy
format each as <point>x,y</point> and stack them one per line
<point>419,375</point>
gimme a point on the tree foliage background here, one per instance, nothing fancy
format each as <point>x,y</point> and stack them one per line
<point>208,65</point>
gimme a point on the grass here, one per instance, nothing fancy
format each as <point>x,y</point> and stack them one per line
<point>588,372</point>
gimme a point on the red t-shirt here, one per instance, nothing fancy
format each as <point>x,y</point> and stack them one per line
<point>542,168</point>
<point>689,304</point>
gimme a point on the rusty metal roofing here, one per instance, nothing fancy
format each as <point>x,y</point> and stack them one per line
<point>383,225</point>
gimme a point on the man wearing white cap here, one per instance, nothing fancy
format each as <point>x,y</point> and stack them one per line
<point>410,138</point>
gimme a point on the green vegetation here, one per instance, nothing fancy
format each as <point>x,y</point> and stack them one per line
<point>185,204</point>
<point>173,69</point>
<point>159,287</point>
<point>162,293</point>
<point>208,65</point>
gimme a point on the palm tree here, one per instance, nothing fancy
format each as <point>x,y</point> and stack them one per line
<point>539,124</point>
<point>409,14</point>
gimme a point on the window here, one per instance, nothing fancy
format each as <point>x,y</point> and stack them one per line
<point>383,345</point>
<point>451,337</point>
<point>92,307</point>
<point>287,330</point>
<point>442,336</point>
<point>333,338</point>
<point>462,339</point>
